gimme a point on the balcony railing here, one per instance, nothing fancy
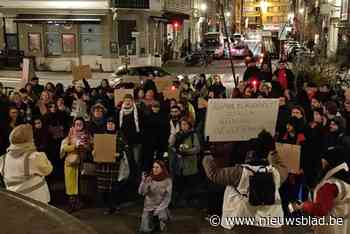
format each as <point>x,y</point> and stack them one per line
<point>139,4</point>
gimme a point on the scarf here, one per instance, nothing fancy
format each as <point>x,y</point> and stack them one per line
<point>126,111</point>
<point>163,175</point>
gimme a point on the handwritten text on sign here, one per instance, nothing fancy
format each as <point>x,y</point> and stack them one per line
<point>240,119</point>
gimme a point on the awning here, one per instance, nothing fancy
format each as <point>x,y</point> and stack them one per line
<point>62,7</point>
<point>57,20</point>
<point>54,4</point>
<point>176,16</point>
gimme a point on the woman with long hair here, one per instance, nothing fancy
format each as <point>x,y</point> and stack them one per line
<point>73,149</point>
<point>157,189</point>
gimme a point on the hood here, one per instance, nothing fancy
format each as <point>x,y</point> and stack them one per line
<point>19,150</point>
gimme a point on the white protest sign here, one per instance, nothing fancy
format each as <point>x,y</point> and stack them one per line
<point>240,119</point>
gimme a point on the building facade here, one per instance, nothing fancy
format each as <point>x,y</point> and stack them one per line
<point>265,14</point>
<point>59,33</point>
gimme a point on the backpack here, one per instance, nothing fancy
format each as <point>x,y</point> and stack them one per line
<point>262,188</point>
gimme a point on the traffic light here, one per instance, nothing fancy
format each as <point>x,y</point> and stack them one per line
<point>176,25</point>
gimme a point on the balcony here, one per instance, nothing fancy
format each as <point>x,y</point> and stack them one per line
<point>136,4</point>
<point>180,6</point>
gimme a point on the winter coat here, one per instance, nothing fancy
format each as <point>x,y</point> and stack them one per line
<point>187,157</point>
<point>24,170</point>
<point>156,131</point>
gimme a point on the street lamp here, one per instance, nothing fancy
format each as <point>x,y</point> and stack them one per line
<point>204,7</point>
<point>301,12</point>
<point>263,9</point>
<point>228,14</point>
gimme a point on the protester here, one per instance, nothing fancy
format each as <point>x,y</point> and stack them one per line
<point>237,199</point>
<point>184,156</point>
<point>331,193</point>
<point>23,168</point>
<point>107,173</point>
<point>73,149</point>
<point>157,189</point>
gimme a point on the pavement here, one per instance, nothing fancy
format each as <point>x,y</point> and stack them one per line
<point>184,221</point>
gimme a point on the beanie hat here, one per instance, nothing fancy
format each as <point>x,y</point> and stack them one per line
<point>335,156</point>
<point>22,134</point>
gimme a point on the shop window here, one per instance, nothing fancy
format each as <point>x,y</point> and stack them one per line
<point>91,39</point>
<point>68,43</point>
<point>34,42</point>
<point>53,43</point>
<point>126,41</point>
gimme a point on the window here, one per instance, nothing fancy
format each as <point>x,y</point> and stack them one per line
<point>269,19</point>
<point>53,39</point>
<point>34,42</point>
<point>270,9</point>
<point>257,8</point>
<point>141,4</point>
<point>126,41</point>
<point>90,39</point>
<point>68,43</point>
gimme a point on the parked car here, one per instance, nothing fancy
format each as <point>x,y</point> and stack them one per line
<point>240,51</point>
<point>137,74</point>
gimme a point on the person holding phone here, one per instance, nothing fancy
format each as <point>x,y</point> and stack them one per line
<point>156,187</point>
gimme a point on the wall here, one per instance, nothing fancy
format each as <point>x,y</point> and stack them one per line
<point>23,37</point>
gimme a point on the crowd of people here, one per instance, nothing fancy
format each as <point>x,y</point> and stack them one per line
<point>161,145</point>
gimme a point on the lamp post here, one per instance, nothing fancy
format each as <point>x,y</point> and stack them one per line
<point>263,9</point>
<point>301,12</point>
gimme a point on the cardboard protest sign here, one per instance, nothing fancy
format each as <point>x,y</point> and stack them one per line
<point>120,93</point>
<point>240,119</point>
<point>170,93</point>
<point>105,148</point>
<point>290,155</point>
<point>163,83</point>
<point>81,72</point>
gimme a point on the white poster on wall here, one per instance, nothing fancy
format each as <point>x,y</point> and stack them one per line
<point>240,119</point>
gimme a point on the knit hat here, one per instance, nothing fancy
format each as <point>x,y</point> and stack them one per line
<point>22,134</point>
<point>98,105</point>
<point>335,156</point>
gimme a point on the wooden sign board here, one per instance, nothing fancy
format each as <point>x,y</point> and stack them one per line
<point>81,72</point>
<point>163,83</point>
<point>105,148</point>
<point>119,95</point>
<point>240,119</point>
<point>170,93</point>
<point>290,155</point>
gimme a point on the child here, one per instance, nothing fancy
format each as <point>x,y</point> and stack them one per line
<point>157,189</point>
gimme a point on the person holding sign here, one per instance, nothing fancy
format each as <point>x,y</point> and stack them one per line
<point>107,172</point>
<point>252,187</point>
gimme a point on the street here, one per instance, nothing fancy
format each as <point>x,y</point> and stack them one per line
<point>222,67</point>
